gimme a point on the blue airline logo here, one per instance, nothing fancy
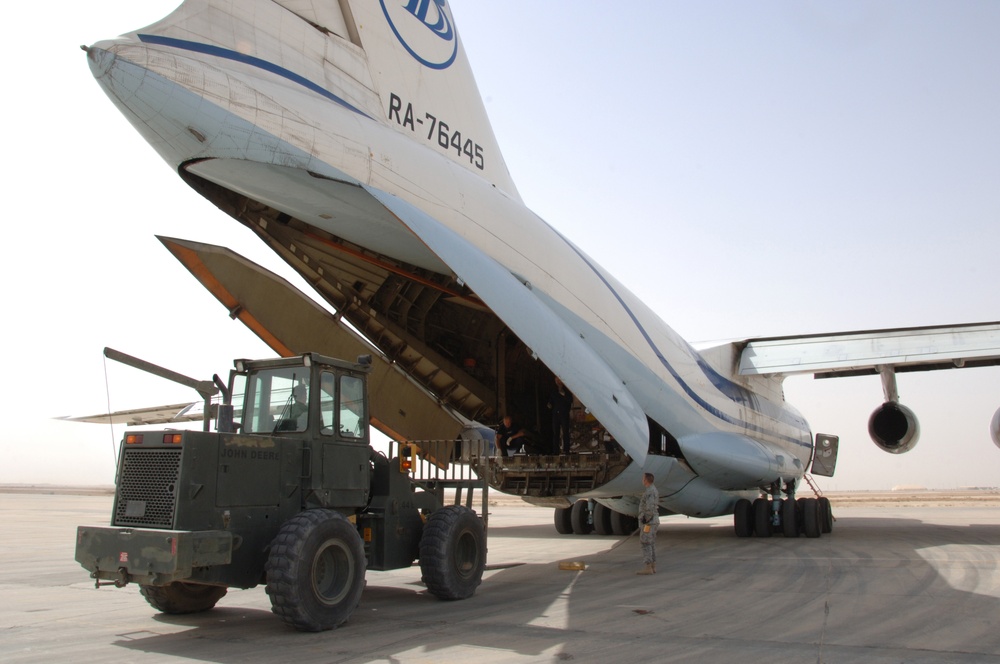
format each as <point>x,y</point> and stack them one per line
<point>425,29</point>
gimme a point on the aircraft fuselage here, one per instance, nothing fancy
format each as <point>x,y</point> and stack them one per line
<point>331,157</point>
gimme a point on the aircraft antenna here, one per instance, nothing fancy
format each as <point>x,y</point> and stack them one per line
<point>111,427</point>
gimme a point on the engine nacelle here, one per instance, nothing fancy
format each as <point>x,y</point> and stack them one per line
<point>995,428</point>
<point>894,428</point>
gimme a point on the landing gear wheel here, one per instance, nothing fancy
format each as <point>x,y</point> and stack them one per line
<point>825,515</point>
<point>580,517</point>
<point>316,570</point>
<point>564,525</point>
<point>743,518</point>
<point>453,552</point>
<point>789,518</point>
<point>811,526</point>
<point>602,519</point>
<point>179,597</point>
<point>623,524</point>
<point>762,517</point>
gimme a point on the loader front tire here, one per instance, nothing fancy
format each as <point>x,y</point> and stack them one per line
<point>316,570</point>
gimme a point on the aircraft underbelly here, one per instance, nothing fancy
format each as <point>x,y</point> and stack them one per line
<point>340,208</point>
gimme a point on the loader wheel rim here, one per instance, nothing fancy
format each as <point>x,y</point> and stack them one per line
<point>466,555</point>
<point>332,572</point>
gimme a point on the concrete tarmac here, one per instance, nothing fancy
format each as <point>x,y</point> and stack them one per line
<point>890,584</point>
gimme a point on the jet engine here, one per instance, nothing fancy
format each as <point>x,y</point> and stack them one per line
<point>895,429</point>
<point>995,428</point>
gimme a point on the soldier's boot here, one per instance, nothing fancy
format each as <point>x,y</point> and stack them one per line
<point>654,568</point>
<point>648,569</point>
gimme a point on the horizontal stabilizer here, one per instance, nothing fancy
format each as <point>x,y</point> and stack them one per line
<point>181,412</point>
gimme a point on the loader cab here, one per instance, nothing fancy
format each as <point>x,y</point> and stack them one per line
<point>306,395</point>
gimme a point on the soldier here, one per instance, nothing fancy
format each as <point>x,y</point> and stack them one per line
<point>649,522</point>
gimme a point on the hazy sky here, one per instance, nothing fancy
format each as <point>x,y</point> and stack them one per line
<point>748,169</point>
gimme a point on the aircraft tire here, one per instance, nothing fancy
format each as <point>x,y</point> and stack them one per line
<point>811,526</point>
<point>580,517</point>
<point>789,519</point>
<point>743,518</point>
<point>762,517</point>
<point>453,552</point>
<point>563,520</point>
<point>602,519</point>
<point>316,570</point>
<point>178,597</point>
<point>825,514</point>
<point>623,524</point>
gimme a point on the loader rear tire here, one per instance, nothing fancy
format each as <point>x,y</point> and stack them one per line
<point>178,597</point>
<point>316,570</point>
<point>453,552</point>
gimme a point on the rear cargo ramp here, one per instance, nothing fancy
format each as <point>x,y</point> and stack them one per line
<point>545,476</point>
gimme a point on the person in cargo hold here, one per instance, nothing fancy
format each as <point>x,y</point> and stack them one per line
<point>560,403</point>
<point>510,436</point>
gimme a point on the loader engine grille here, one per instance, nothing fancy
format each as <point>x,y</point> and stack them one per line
<point>147,488</point>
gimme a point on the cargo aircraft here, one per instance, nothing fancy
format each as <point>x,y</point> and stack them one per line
<point>350,136</point>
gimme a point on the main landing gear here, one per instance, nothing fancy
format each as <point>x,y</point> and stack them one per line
<point>789,516</point>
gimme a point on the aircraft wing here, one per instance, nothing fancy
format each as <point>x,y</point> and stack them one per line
<point>181,412</point>
<point>864,352</point>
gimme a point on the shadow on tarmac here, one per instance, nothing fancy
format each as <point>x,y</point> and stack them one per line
<point>875,590</point>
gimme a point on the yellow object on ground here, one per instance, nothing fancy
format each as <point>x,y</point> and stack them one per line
<point>572,565</point>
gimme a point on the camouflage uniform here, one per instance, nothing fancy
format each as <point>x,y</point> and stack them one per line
<point>649,515</point>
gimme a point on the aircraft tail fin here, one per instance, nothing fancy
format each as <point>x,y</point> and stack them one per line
<point>397,62</point>
<point>425,83</point>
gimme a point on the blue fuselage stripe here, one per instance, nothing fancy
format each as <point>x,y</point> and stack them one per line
<point>731,390</point>
<point>236,56</point>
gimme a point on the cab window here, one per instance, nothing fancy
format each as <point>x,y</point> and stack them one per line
<point>353,419</point>
<point>278,400</point>
<point>328,403</point>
